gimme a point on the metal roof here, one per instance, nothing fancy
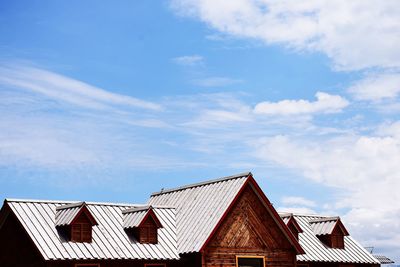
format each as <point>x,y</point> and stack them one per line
<point>383,259</point>
<point>199,207</point>
<point>134,217</point>
<point>324,226</point>
<point>316,251</point>
<point>110,241</point>
<point>66,216</point>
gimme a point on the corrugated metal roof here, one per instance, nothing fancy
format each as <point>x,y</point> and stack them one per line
<point>199,208</point>
<point>65,216</point>
<point>383,259</point>
<point>110,241</point>
<point>133,217</point>
<point>316,251</point>
<point>324,226</point>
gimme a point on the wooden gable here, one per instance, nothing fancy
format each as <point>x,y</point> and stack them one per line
<point>249,229</point>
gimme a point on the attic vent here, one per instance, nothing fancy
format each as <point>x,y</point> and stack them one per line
<point>142,223</point>
<point>330,231</point>
<point>76,221</point>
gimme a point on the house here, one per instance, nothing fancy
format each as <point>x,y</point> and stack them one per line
<point>326,242</point>
<point>218,223</point>
<point>224,222</point>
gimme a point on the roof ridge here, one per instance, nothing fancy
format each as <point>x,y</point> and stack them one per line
<point>308,215</point>
<point>67,202</point>
<point>72,205</point>
<point>212,181</point>
<point>327,219</point>
<point>145,207</point>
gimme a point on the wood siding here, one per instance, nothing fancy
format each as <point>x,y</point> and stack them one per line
<point>16,248</point>
<point>249,230</point>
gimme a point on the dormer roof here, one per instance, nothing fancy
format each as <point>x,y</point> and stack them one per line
<point>136,216</point>
<point>316,251</point>
<point>110,241</point>
<point>68,213</point>
<point>289,219</point>
<point>326,226</point>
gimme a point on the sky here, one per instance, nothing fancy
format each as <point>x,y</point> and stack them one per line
<point>110,101</point>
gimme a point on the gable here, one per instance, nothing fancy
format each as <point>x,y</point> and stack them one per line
<point>199,208</point>
<point>249,225</point>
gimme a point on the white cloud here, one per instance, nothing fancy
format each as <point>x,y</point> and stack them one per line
<point>325,103</point>
<point>296,210</point>
<point>364,170</point>
<point>189,60</point>
<point>298,201</point>
<point>354,34</point>
<point>377,86</point>
<point>66,89</point>
<point>216,81</point>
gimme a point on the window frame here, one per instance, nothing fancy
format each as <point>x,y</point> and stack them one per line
<point>250,256</point>
<point>80,238</point>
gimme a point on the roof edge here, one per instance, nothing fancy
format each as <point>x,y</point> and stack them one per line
<point>72,205</point>
<point>212,181</point>
<point>65,202</point>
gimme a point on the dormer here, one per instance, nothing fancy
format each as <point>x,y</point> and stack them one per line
<point>292,224</point>
<point>142,223</point>
<point>76,221</point>
<point>330,230</point>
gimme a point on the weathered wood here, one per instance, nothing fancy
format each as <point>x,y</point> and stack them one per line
<point>249,230</point>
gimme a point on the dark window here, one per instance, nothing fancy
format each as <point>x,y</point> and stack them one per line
<point>87,265</point>
<point>250,261</point>
<point>337,241</point>
<point>81,230</point>
<point>155,265</point>
<point>148,232</point>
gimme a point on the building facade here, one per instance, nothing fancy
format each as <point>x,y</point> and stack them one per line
<point>228,222</point>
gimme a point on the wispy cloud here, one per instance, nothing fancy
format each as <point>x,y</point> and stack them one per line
<point>377,86</point>
<point>325,103</point>
<point>66,89</point>
<point>216,81</point>
<point>189,60</point>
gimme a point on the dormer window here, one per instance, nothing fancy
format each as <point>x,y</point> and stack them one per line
<point>292,224</point>
<point>330,231</point>
<point>143,223</point>
<point>76,221</point>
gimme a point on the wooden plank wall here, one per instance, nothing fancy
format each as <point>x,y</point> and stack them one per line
<point>16,248</point>
<point>249,230</point>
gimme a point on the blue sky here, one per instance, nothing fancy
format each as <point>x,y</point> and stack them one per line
<point>110,102</point>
